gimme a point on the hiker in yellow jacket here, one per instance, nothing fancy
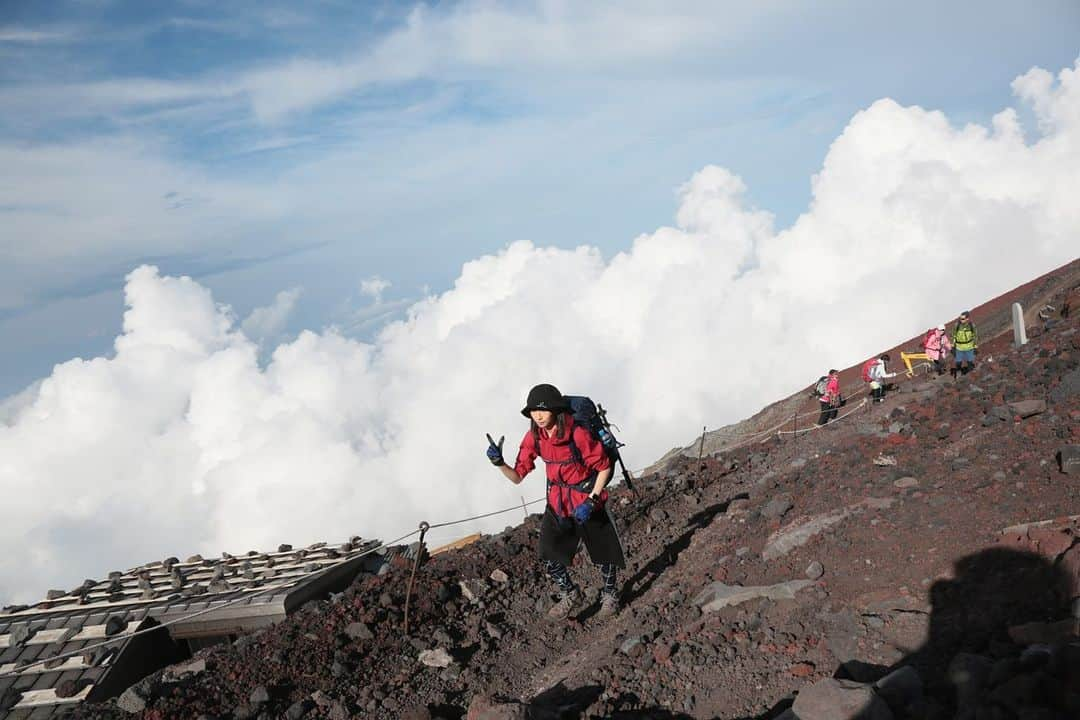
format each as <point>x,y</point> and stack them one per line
<point>965,339</point>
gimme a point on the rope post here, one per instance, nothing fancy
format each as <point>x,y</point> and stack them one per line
<point>701,445</point>
<point>523,508</point>
<point>424,527</point>
<point>795,428</point>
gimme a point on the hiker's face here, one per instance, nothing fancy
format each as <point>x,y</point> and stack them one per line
<point>543,418</point>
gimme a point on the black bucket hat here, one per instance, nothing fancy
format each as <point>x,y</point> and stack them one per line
<point>545,397</point>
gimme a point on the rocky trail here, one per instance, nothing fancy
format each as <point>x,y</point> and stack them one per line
<point>919,559</point>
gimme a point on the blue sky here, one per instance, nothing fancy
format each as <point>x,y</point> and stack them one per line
<point>261,147</point>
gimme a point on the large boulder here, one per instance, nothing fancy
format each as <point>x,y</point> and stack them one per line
<point>1027,408</point>
<point>832,699</point>
<point>718,595</point>
<point>1069,459</point>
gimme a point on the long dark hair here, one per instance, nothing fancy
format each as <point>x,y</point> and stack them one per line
<point>560,427</point>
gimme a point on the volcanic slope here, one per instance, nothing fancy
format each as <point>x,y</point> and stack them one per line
<point>756,576</point>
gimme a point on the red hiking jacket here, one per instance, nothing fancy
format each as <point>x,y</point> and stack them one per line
<point>832,390</point>
<point>561,466</point>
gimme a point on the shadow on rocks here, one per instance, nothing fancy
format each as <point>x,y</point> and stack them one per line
<point>561,703</point>
<point>651,714</point>
<point>1000,644</point>
<point>644,578</point>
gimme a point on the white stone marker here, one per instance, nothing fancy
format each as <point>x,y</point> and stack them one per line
<point>1019,331</point>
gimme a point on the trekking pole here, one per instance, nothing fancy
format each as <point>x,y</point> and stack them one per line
<point>416,563</point>
<point>601,413</point>
<point>627,478</point>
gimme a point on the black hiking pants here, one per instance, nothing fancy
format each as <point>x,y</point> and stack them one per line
<point>828,412</point>
<point>560,538</point>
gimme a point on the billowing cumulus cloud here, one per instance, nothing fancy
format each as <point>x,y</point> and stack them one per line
<point>183,441</point>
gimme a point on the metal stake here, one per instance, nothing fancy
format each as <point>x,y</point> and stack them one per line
<point>424,527</point>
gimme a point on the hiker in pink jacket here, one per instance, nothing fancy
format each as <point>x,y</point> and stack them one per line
<point>830,397</point>
<point>938,346</point>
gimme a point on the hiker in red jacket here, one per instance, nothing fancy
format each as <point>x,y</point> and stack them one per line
<point>830,398</point>
<point>578,470</point>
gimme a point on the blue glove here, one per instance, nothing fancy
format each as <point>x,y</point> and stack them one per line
<point>607,439</point>
<point>494,451</point>
<point>583,511</point>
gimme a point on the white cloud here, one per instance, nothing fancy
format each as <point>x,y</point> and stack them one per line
<point>266,323</point>
<point>485,37</point>
<point>33,36</point>
<point>374,287</point>
<point>553,38</point>
<point>183,443</point>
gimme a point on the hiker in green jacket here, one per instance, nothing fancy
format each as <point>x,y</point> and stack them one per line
<point>965,341</point>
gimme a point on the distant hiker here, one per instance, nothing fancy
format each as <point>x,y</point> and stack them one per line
<point>937,346</point>
<point>578,470</point>
<point>966,341</point>
<point>830,397</point>
<point>876,372</point>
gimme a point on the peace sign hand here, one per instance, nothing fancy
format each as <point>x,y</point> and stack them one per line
<point>494,451</point>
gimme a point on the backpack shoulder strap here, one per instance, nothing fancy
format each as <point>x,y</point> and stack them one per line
<point>574,449</point>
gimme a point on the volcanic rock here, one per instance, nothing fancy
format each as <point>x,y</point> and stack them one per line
<point>184,671</point>
<point>68,688</point>
<point>777,507</point>
<point>438,658</point>
<point>800,532</point>
<point>1027,408</point>
<point>483,707</point>
<point>719,595</point>
<point>298,709</point>
<point>358,631</point>
<point>833,699</point>
<point>259,696</point>
<point>134,699</point>
<point>473,590</point>
<point>1069,459</point>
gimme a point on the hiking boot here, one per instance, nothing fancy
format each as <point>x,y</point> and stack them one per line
<point>609,605</point>
<point>567,602</point>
